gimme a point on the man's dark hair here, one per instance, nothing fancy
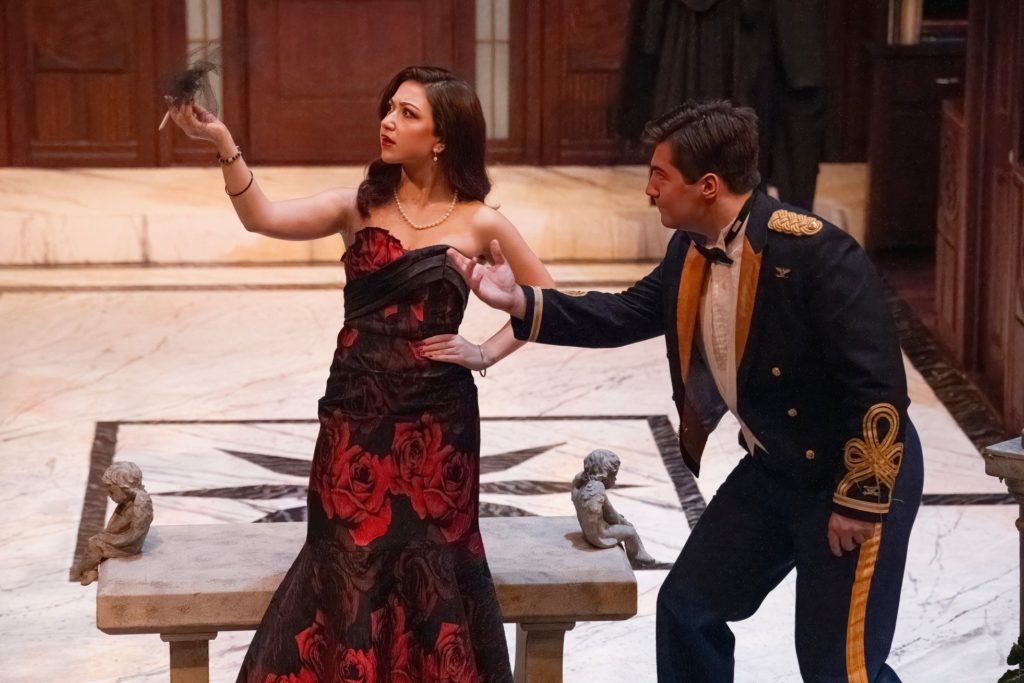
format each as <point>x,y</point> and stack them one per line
<point>711,137</point>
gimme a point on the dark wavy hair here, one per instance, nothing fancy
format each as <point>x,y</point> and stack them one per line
<point>458,122</point>
<point>713,136</point>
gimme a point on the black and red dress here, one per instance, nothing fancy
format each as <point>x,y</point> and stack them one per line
<point>392,585</point>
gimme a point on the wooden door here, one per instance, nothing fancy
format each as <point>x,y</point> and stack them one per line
<point>5,102</point>
<point>315,69</point>
<point>583,50</point>
<point>1014,382</point>
<point>997,229</point>
<point>80,86</point>
<point>1013,388</point>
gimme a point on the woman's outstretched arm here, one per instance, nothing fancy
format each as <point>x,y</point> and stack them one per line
<point>308,218</point>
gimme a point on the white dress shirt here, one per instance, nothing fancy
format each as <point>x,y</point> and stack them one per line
<point>718,324</point>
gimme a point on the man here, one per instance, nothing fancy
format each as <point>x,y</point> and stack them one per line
<point>779,318</point>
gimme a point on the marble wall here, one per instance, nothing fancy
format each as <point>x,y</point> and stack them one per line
<point>180,216</point>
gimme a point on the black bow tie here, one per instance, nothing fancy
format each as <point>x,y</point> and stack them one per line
<point>714,254</point>
<point>717,254</point>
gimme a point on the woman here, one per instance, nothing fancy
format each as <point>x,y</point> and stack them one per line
<point>392,583</point>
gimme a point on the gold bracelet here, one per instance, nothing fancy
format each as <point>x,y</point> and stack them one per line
<point>231,159</point>
<point>244,189</point>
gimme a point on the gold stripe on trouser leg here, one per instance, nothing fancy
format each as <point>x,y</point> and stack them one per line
<point>856,667</point>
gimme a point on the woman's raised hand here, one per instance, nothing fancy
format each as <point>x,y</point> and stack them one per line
<point>198,123</point>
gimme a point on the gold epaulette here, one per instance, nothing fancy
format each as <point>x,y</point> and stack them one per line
<point>792,223</point>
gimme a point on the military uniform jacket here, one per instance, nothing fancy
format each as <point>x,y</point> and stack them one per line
<point>820,378</point>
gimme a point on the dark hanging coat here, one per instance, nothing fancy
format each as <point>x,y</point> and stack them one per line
<point>766,54</point>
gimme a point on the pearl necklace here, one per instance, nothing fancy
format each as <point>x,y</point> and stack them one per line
<point>455,200</point>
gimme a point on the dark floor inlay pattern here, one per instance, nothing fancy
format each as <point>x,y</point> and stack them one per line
<point>690,497</point>
<point>253,492</point>
<point>105,441</point>
<point>962,398</point>
<point>968,499</point>
<point>503,461</point>
<point>94,506</point>
<point>298,467</point>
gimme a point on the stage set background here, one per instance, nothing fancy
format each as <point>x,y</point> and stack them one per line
<point>80,85</point>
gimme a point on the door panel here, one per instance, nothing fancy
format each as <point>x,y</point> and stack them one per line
<point>82,90</point>
<point>997,229</point>
<point>316,67</point>
<point>5,101</point>
<point>584,44</point>
<point>1014,386</point>
<point>1015,375</point>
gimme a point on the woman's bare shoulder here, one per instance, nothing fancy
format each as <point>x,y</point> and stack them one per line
<point>488,222</point>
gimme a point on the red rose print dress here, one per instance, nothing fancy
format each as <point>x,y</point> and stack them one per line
<point>391,585</point>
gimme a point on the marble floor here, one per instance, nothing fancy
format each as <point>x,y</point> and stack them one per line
<point>196,372</point>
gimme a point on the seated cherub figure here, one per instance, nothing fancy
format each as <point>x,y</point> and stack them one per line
<point>128,525</point>
<point>602,525</point>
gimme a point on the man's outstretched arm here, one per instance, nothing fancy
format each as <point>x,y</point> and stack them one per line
<point>588,319</point>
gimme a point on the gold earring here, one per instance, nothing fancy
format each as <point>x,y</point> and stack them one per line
<point>435,157</point>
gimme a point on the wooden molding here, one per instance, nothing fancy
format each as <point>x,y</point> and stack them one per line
<point>5,100</point>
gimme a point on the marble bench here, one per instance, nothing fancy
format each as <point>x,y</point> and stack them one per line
<point>193,581</point>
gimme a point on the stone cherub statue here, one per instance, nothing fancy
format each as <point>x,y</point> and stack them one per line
<point>602,525</point>
<point>128,525</point>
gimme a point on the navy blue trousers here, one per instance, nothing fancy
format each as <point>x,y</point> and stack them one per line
<point>757,528</point>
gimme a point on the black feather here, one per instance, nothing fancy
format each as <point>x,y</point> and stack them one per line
<point>192,86</point>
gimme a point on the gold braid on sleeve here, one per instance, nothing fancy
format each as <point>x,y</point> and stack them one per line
<point>872,463</point>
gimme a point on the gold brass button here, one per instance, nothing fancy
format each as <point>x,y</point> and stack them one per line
<point>809,454</point>
<point>776,372</point>
<point>791,412</point>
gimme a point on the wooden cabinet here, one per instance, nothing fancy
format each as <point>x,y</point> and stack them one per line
<point>909,84</point>
<point>980,237</point>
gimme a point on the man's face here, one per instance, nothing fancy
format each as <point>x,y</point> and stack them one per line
<point>681,203</point>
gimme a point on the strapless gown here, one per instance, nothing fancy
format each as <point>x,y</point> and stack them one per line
<point>392,584</point>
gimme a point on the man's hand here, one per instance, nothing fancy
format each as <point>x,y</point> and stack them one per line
<point>846,533</point>
<point>495,285</point>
